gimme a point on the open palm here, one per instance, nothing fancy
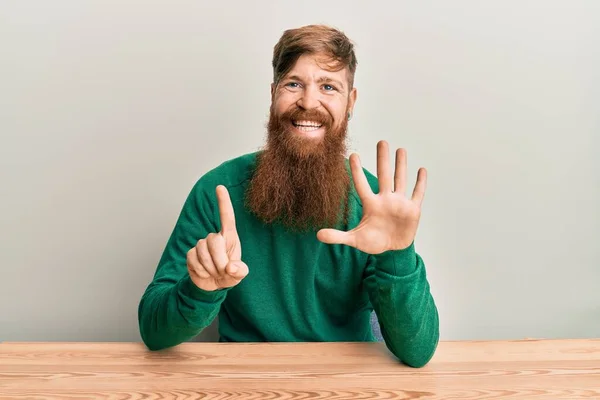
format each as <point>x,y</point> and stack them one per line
<point>390,219</point>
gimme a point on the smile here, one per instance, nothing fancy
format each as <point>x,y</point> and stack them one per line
<point>307,126</point>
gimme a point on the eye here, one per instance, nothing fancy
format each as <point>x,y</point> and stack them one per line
<point>292,85</point>
<point>328,88</point>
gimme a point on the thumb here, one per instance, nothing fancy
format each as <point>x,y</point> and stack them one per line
<point>237,270</point>
<point>334,236</point>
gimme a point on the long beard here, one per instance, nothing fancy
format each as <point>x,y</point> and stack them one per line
<point>302,183</point>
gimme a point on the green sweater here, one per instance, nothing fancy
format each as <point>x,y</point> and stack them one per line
<point>298,288</point>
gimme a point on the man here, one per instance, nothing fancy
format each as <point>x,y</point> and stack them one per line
<point>295,242</point>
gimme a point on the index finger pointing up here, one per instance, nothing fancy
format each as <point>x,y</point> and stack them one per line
<point>225,210</point>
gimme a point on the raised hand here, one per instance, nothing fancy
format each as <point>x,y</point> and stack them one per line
<point>215,262</point>
<point>390,219</point>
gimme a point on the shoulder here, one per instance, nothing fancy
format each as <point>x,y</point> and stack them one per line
<point>230,173</point>
<point>233,174</point>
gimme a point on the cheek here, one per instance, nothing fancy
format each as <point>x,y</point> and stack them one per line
<point>283,101</point>
<point>338,111</point>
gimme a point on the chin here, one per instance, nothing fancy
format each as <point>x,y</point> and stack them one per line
<point>302,147</point>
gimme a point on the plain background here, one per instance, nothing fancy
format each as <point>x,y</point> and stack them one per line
<point>111,110</point>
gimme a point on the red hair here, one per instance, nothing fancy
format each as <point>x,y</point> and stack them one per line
<point>333,44</point>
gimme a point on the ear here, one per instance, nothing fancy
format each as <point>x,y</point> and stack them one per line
<point>351,100</point>
<point>272,91</point>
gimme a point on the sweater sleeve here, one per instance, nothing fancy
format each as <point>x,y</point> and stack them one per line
<point>173,309</point>
<point>400,295</point>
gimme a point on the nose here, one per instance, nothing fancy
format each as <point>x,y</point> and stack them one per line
<point>309,99</point>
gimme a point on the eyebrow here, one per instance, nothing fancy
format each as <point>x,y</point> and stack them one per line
<point>323,79</point>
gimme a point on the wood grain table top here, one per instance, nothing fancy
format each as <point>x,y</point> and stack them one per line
<point>524,369</point>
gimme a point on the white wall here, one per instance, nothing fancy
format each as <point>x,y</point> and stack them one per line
<point>110,111</point>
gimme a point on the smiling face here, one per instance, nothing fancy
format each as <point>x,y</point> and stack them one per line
<point>312,102</point>
<point>301,178</point>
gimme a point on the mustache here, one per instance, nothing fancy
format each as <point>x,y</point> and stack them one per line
<point>297,114</point>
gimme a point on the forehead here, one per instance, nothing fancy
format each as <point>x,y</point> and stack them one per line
<point>315,66</point>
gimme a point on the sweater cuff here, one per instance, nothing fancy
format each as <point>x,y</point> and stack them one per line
<point>397,262</point>
<point>189,289</point>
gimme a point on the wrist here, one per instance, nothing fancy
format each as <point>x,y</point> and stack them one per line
<point>397,262</point>
<point>192,290</point>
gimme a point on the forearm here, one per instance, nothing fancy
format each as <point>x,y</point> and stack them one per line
<point>170,314</point>
<point>405,307</point>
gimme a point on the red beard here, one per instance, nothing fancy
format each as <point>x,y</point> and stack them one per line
<point>301,182</point>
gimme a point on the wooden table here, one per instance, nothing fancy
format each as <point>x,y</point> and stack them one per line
<point>529,369</point>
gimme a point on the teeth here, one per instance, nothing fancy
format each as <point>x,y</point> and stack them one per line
<point>308,128</point>
<point>307,124</point>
